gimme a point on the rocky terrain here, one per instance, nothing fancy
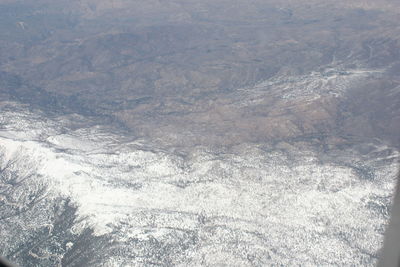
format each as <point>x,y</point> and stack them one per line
<point>179,64</point>
<point>197,133</point>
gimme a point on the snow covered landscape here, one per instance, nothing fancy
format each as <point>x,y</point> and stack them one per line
<point>256,204</point>
<point>197,133</point>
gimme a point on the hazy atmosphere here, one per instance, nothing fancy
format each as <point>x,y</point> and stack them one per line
<point>197,133</point>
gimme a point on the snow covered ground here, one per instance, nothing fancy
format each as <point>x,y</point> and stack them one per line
<point>254,205</point>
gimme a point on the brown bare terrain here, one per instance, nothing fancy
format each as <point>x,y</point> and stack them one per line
<point>173,70</point>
